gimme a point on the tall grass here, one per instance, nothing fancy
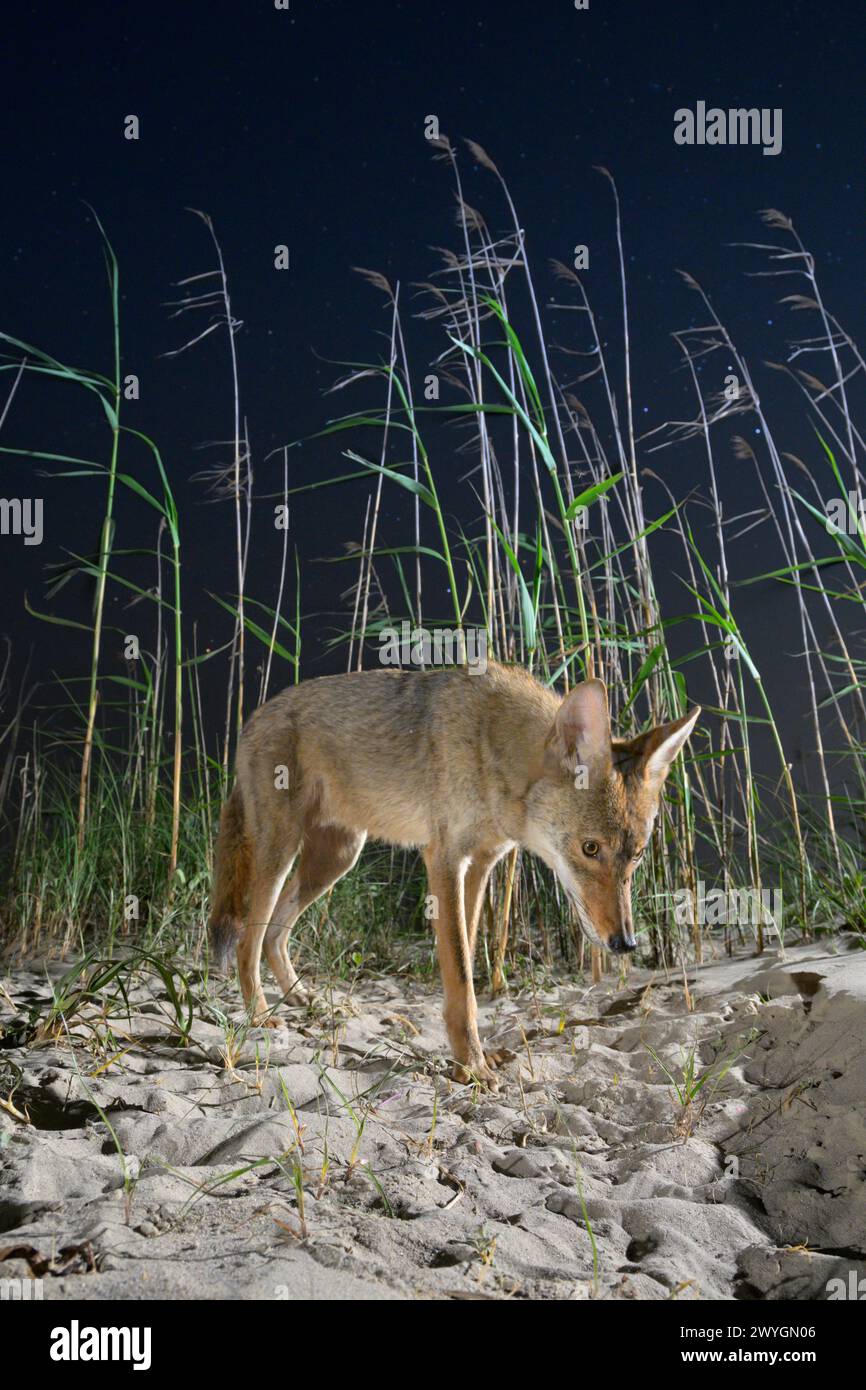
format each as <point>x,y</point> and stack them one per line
<point>109,807</point>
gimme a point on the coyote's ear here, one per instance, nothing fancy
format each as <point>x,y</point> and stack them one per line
<point>652,753</point>
<point>581,733</point>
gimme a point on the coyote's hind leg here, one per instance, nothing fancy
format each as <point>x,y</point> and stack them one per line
<point>262,903</point>
<point>271,864</point>
<point>327,854</point>
<point>474,889</point>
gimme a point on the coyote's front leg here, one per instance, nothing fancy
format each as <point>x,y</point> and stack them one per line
<point>445,877</point>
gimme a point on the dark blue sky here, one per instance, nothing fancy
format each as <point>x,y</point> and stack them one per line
<point>306,128</point>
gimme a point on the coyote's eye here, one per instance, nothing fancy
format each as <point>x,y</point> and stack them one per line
<point>590,848</point>
<point>636,858</point>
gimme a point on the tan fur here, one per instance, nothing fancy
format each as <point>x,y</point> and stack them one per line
<point>463,766</point>
<point>231,880</point>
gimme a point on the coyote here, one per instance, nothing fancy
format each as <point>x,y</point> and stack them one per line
<point>464,767</point>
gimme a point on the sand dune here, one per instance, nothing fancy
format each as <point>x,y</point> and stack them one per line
<point>584,1177</point>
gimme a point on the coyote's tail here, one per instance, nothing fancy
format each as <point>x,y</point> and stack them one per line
<point>232,866</point>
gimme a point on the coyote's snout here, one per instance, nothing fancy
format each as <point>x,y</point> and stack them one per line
<point>464,767</point>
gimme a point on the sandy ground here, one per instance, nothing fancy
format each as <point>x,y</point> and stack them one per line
<point>584,1177</point>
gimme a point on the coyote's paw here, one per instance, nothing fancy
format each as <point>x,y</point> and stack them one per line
<point>268,1021</point>
<point>299,996</point>
<point>475,1074</point>
<point>500,1057</point>
<point>326,1008</point>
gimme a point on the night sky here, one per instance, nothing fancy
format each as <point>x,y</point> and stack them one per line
<point>306,128</point>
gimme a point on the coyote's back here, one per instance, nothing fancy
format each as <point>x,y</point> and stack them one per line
<point>388,752</point>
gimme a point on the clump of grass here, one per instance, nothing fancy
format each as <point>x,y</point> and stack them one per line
<point>693,1088</point>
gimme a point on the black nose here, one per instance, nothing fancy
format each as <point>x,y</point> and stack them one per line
<point>621,943</point>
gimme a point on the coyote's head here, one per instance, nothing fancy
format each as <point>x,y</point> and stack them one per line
<point>591,810</point>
